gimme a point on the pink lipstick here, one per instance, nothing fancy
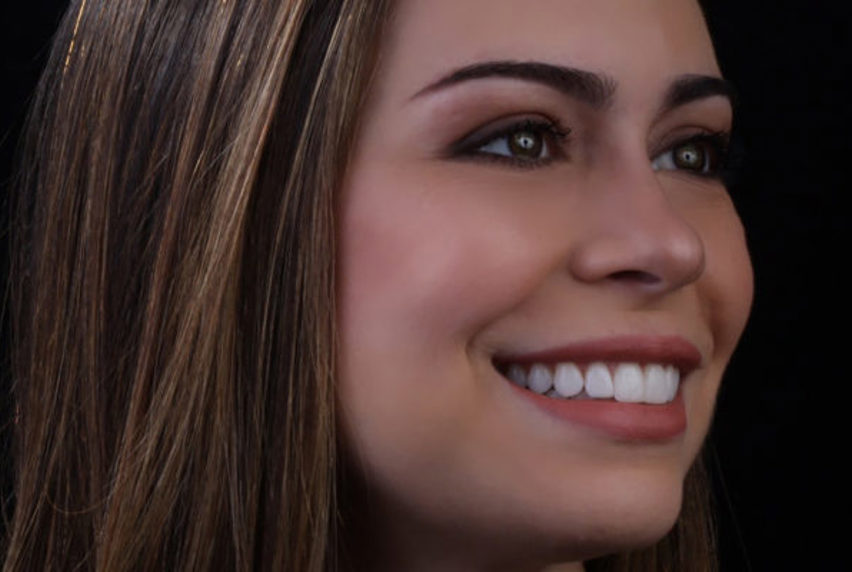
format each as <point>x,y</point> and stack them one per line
<point>631,390</point>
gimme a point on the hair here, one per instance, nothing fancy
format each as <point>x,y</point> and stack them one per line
<point>174,291</point>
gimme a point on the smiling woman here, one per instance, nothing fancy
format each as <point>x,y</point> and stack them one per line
<point>528,203</point>
<point>291,297</point>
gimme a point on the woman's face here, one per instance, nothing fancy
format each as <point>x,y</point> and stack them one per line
<point>536,195</point>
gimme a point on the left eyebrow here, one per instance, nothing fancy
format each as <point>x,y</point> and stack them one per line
<point>688,88</point>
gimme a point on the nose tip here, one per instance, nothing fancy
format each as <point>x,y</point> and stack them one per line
<point>652,248</point>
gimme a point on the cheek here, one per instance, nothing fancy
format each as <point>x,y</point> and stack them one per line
<point>424,267</point>
<point>728,289</point>
<point>725,294</point>
<point>429,264</point>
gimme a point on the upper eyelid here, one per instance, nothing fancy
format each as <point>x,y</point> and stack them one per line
<point>503,126</point>
<point>667,143</point>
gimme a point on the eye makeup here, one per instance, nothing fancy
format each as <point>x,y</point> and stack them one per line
<point>703,155</point>
<point>525,141</point>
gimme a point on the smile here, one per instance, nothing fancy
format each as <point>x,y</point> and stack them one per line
<point>653,383</point>
<point>628,387</point>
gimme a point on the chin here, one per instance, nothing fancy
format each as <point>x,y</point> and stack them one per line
<point>619,513</point>
<point>635,522</point>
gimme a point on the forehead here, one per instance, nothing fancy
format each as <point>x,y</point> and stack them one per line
<point>634,41</point>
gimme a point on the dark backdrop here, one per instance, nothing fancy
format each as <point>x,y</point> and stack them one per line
<point>778,443</point>
<point>779,437</point>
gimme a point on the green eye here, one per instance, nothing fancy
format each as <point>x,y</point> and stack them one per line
<point>691,156</point>
<point>702,155</point>
<point>525,143</point>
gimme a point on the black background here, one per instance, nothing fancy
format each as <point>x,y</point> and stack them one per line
<point>779,444</point>
<point>780,436</point>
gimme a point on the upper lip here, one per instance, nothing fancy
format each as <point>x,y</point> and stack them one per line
<point>674,350</point>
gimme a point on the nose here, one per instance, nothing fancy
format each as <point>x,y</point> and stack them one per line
<point>634,236</point>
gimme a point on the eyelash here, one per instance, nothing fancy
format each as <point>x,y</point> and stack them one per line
<point>554,137</point>
<point>715,145</point>
<point>552,133</point>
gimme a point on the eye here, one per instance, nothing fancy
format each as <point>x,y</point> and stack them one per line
<point>525,143</point>
<point>703,155</point>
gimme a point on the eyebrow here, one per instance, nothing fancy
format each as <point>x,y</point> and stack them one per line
<point>688,88</point>
<point>596,90</point>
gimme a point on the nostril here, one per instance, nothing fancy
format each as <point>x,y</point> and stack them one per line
<point>635,276</point>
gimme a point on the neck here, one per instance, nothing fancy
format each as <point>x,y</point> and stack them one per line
<point>379,542</point>
<point>427,561</point>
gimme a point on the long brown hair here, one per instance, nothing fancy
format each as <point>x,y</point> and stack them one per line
<point>174,289</point>
<point>175,299</point>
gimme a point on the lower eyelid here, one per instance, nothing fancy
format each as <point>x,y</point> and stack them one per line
<point>504,160</point>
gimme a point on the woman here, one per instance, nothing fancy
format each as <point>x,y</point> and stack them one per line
<point>326,285</point>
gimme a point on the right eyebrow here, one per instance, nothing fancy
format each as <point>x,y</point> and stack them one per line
<point>593,89</point>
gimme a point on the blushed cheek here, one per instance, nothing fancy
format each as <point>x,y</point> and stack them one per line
<point>725,288</point>
<point>420,264</point>
<point>734,288</point>
<point>725,291</point>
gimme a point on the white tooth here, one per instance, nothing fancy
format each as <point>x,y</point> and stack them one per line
<point>599,381</point>
<point>628,383</point>
<point>656,384</point>
<point>673,376</point>
<point>540,378</point>
<point>517,375</point>
<point>568,380</point>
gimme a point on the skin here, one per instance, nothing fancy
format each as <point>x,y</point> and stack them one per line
<point>448,260</point>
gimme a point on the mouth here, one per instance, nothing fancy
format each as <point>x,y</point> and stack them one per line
<point>628,386</point>
<point>628,382</point>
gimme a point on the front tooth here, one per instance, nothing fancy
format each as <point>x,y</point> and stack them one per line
<point>517,375</point>
<point>673,376</point>
<point>628,383</point>
<point>540,378</point>
<point>568,380</point>
<point>656,384</point>
<point>599,381</point>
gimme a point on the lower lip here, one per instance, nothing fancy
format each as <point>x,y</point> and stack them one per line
<point>625,421</point>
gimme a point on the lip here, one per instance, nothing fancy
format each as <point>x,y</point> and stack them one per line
<point>623,421</point>
<point>674,350</point>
